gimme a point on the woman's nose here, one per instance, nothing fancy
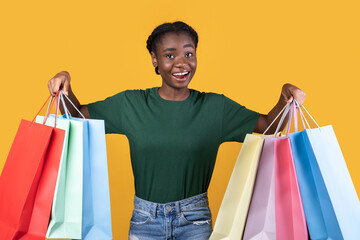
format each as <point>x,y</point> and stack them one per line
<point>180,62</point>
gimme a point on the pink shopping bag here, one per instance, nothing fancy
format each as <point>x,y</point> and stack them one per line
<point>276,210</point>
<point>260,222</point>
<point>289,211</point>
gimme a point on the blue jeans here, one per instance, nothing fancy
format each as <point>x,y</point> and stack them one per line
<point>186,219</point>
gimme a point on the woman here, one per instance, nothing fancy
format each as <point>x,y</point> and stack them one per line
<point>174,134</point>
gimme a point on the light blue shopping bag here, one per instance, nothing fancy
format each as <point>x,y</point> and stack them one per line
<point>331,205</point>
<point>337,180</point>
<point>96,214</point>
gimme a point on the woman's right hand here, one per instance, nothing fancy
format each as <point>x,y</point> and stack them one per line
<point>61,81</point>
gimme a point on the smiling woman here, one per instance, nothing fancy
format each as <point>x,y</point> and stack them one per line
<point>174,134</point>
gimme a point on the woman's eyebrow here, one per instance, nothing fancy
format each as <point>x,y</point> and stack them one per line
<point>188,45</point>
<point>169,49</point>
<point>174,49</point>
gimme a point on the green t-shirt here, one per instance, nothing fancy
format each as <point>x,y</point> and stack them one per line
<point>173,144</point>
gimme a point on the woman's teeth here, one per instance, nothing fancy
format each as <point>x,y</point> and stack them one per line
<point>180,74</point>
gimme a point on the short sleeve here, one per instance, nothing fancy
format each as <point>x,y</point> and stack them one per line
<point>111,110</point>
<point>237,121</point>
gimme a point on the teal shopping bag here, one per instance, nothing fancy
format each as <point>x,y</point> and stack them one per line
<point>66,214</point>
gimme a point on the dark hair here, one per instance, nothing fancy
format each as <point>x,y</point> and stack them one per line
<point>176,27</point>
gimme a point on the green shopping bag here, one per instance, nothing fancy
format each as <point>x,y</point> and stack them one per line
<point>66,213</point>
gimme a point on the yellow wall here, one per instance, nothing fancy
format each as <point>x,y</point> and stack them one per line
<point>247,50</point>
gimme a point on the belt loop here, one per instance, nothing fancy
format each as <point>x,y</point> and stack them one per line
<point>154,210</point>
<point>178,210</point>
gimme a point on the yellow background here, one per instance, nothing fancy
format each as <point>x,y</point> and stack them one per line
<point>247,50</point>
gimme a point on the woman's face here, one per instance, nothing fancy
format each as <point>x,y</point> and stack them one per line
<point>176,58</point>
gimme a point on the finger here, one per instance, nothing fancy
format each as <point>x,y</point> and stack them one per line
<point>66,88</point>
<point>301,101</point>
<point>303,98</point>
<point>300,97</point>
<point>51,87</point>
<point>290,99</point>
<point>57,85</point>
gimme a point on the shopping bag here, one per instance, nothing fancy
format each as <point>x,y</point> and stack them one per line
<point>96,213</point>
<point>234,207</point>
<point>289,212</point>
<point>28,181</point>
<point>66,212</point>
<point>337,180</point>
<point>260,223</point>
<point>276,210</point>
<point>331,204</point>
<point>320,216</point>
<point>20,177</point>
<point>45,192</point>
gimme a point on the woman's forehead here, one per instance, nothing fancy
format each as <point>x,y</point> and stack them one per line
<point>173,38</point>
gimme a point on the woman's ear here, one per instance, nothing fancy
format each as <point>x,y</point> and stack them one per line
<point>153,59</point>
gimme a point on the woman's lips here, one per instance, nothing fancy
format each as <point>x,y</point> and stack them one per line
<point>181,76</point>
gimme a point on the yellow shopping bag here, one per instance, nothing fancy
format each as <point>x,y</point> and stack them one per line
<point>232,214</point>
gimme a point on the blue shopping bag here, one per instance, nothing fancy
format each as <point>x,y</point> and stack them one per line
<point>96,212</point>
<point>319,212</point>
<point>96,215</point>
<point>331,205</point>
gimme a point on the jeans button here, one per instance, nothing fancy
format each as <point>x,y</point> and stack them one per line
<point>169,208</point>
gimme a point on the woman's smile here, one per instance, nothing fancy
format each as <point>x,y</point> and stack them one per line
<point>181,76</point>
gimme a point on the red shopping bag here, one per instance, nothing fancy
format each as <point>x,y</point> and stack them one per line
<point>27,181</point>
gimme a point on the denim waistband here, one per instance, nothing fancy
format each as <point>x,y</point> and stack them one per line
<point>177,207</point>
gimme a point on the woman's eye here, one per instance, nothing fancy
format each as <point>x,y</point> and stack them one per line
<point>189,54</point>
<point>170,56</point>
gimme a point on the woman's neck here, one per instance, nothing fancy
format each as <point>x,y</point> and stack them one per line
<point>172,94</point>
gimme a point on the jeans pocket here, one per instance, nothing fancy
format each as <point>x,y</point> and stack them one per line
<point>140,217</point>
<point>199,216</point>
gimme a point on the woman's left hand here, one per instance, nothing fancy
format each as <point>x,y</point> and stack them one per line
<point>289,92</point>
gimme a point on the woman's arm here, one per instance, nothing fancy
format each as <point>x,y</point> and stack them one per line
<point>61,81</point>
<point>288,93</point>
